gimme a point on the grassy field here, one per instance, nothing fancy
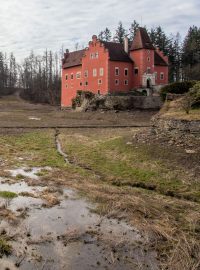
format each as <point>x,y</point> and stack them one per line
<point>148,185</point>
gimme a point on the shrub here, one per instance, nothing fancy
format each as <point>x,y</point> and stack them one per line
<point>192,98</point>
<point>176,88</point>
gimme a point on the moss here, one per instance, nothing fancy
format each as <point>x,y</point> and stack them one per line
<point>7,194</point>
<point>5,248</point>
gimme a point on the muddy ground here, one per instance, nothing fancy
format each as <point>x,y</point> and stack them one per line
<point>88,198</point>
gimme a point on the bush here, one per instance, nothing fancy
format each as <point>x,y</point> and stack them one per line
<point>80,96</point>
<point>192,98</point>
<point>176,88</point>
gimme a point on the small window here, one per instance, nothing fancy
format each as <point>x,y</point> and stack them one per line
<point>99,81</point>
<point>126,82</point>
<point>94,72</point>
<point>81,84</point>
<point>136,71</point>
<point>148,59</point>
<point>78,75</point>
<point>117,82</point>
<point>99,92</point>
<point>86,83</point>
<point>148,70</point>
<point>86,73</point>
<point>101,71</point>
<point>66,86</point>
<point>66,77</point>
<point>126,72</point>
<point>91,56</point>
<point>72,76</point>
<point>162,76</point>
<point>116,71</point>
<point>96,55</point>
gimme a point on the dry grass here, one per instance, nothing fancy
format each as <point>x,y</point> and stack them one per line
<point>173,109</point>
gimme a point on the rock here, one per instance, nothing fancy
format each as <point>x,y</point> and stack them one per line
<point>190,151</point>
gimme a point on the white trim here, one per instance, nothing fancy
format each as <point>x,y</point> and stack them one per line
<point>116,68</point>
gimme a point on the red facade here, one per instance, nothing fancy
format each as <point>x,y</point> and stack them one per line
<point>108,67</point>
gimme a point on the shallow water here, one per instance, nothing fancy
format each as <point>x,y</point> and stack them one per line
<point>69,236</point>
<point>28,172</point>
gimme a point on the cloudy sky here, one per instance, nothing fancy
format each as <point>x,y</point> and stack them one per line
<point>40,24</point>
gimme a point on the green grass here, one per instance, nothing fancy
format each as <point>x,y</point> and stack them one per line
<point>131,165</point>
<point>36,149</point>
<point>7,195</point>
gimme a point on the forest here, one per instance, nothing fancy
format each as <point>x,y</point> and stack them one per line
<point>38,77</point>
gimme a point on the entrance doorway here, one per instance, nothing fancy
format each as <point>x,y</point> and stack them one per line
<point>148,83</point>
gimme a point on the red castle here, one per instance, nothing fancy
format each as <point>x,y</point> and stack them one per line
<point>110,67</point>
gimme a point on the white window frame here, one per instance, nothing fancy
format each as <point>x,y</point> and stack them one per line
<point>148,59</point>
<point>78,75</point>
<point>86,83</point>
<point>126,69</point>
<point>94,72</point>
<point>125,82</point>
<point>101,71</point>
<point>162,76</point>
<point>86,73</point>
<point>96,55</point>
<point>117,69</point>
<point>116,81</point>
<point>99,81</point>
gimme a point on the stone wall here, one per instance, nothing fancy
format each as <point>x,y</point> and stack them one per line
<point>172,126</point>
<point>120,103</point>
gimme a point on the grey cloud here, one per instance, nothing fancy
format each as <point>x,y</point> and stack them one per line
<point>41,24</point>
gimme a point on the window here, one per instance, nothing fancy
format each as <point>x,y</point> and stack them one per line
<point>78,75</point>
<point>117,82</point>
<point>99,81</point>
<point>148,70</point>
<point>116,71</point>
<point>126,82</point>
<point>66,77</point>
<point>126,72</point>
<point>86,73</point>
<point>96,55</point>
<point>66,85</point>
<point>101,71</point>
<point>162,76</point>
<point>148,59</point>
<point>80,83</point>
<point>94,72</point>
<point>136,71</point>
<point>72,76</point>
<point>99,93</point>
<point>86,83</point>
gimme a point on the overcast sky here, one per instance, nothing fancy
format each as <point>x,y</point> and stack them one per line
<point>40,24</point>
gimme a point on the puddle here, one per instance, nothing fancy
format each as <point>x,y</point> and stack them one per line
<point>69,236</point>
<point>19,187</point>
<point>34,118</point>
<point>28,172</point>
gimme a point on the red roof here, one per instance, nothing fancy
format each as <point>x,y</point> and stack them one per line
<point>142,40</point>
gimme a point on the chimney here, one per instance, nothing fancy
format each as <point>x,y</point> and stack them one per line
<point>126,44</point>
